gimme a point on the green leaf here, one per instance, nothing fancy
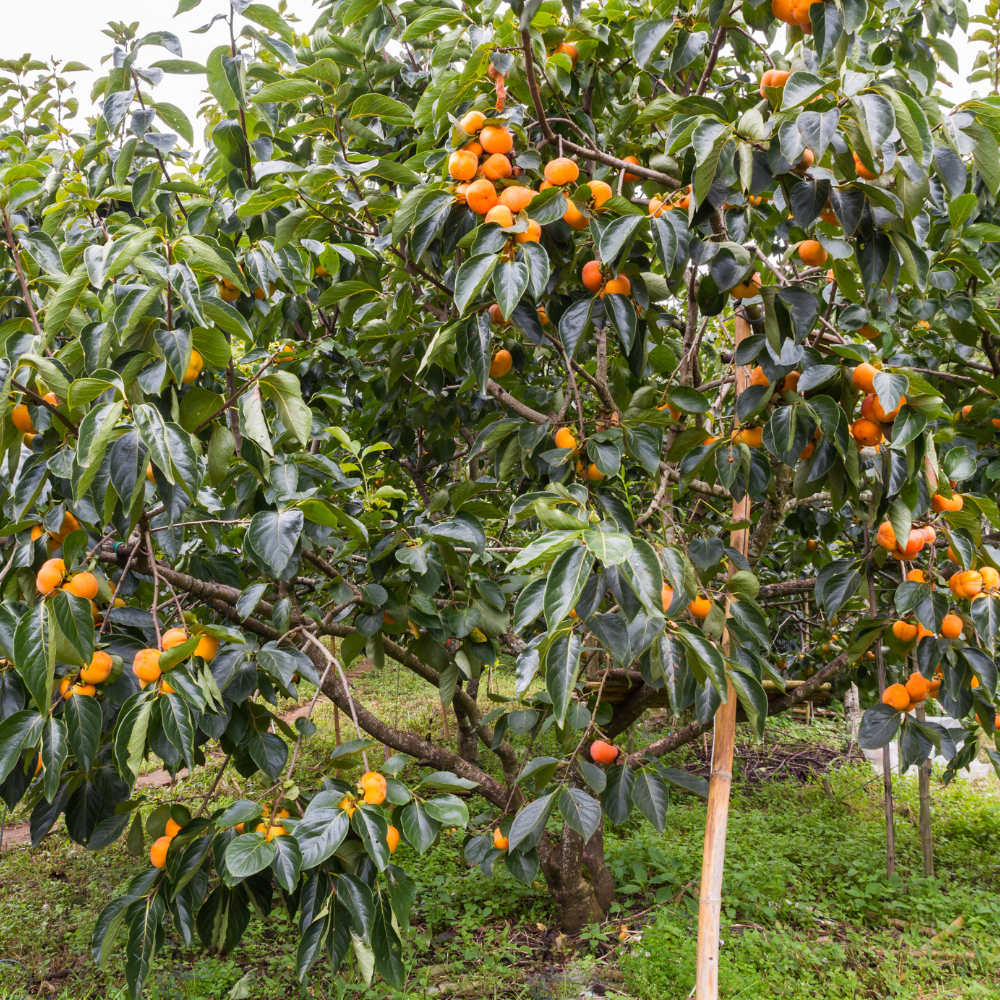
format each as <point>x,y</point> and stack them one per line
<point>564,584</point>
<point>386,109</point>
<point>287,90</point>
<point>799,87</point>
<point>177,120</point>
<point>651,797</point>
<point>74,621</point>
<point>562,665</point>
<point>248,854</point>
<point>510,280</point>
<point>581,812</point>
<point>83,722</point>
<point>65,300</point>
<point>322,829</point>
<point>19,730</point>
<point>35,653</point>
<point>145,919</point>
<point>472,277</point>
<point>285,392</point>
<point>419,828</point>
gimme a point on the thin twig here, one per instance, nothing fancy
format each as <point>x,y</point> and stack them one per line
<point>121,580</point>
<point>332,660</point>
<point>156,588</point>
<point>215,784</point>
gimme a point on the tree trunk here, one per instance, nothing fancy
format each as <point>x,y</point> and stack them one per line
<point>468,738</point>
<point>565,864</point>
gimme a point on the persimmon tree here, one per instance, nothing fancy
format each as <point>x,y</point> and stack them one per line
<point>474,334</point>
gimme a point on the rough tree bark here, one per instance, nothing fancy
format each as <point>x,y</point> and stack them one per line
<point>577,878</point>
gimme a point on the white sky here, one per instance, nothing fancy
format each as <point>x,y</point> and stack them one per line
<point>71,30</point>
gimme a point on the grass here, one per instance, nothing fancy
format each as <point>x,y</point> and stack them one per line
<point>807,908</point>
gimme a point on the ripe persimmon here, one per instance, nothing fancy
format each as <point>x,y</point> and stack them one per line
<point>951,626</point>
<point>392,839</point>
<point>501,363</point>
<point>942,503</point>
<point>22,419</point>
<point>603,753</point>
<point>630,177</point>
<point>516,197</point>
<point>158,852</point>
<point>600,192</point>
<point>99,669</point>
<point>569,49</point>
<point>462,166</point>
<point>373,785</point>
<point>173,637</point>
<point>472,121</point>
<point>866,432</point>
<point>807,160</point>
<point>532,234</point>
<point>863,377</point>
<point>862,171</point>
<point>496,316</point>
<point>897,697</point>
<point>561,170</point>
<point>197,362</point>
<point>752,437</point>
<point>500,842</point>
<point>573,217</point>
<point>82,585</point>
<point>496,167</point>
<point>591,276</point>
<point>757,377</point>
<point>700,607</point>
<point>565,438</point>
<point>904,631</point>
<point>501,215</point>
<point>207,647</point>
<point>666,596</point>
<point>746,289</point>
<point>481,196</point>
<point>146,665</point>
<point>773,78</point>
<point>496,139</point>
<point>50,575</point>
<point>812,253</point>
<point>617,286</point>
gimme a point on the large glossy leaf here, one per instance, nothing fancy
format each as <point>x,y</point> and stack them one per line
<point>562,665</point>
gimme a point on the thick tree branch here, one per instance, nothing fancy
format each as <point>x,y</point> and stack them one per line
<point>773,512</point>
<point>521,409</point>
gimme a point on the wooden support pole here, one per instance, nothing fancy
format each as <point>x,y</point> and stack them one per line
<point>714,855</point>
<point>890,835</point>
<point>336,725</point>
<point>924,780</point>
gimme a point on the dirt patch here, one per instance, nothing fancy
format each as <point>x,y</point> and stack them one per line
<point>778,760</point>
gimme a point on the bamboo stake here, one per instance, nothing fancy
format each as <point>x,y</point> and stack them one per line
<point>714,855</point>
<point>926,833</point>
<point>890,836</point>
